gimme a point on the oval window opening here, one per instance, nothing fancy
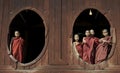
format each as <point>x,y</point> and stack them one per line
<point>29,26</point>
<point>91,36</point>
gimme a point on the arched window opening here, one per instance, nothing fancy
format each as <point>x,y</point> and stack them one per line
<point>91,20</point>
<point>32,30</point>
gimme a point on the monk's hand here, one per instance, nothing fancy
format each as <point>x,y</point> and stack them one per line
<point>84,41</point>
<point>104,41</point>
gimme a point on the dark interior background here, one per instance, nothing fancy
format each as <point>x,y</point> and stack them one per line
<point>32,30</point>
<point>96,21</point>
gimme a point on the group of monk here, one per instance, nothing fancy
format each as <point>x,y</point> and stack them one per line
<point>92,49</point>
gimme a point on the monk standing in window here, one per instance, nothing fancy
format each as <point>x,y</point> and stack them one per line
<point>104,47</point>
<point>86,46</point>
<point>94,44</point>
<point>16,47</point>
<point>77,46</point>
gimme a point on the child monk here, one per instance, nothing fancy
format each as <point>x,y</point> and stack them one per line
<point>94,44</point>
<point>104,47</point>
<point>86,46</point>
<point>16,47</point>
<point>77,46</point>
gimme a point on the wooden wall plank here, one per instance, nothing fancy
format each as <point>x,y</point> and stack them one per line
<point>66,14</point>
<point>118,33</point>
<point>56,29</point>
<point>51,31</point>
<point>5,31</point>
<point>57,32</point>
<point>1,16</point>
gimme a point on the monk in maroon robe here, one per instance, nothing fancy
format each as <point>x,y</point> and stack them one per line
<point>17,44</point>
<point>94,43</point>
<point>77,46</point>
<point>86,46</point>
<point>103,48</point>
<point>80,50</point>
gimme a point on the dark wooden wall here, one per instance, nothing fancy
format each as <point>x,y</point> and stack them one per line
<point>59,17</point>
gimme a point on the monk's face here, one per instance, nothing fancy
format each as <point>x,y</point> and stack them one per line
<point>92,32</point>
<point>76,37</point>
<point>87,33</point>
<point>105,32</point>
<point>17,34</point>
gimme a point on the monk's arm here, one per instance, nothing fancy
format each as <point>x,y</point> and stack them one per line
<point>101,40</point>
<point>11,46</point>
<point>109,41</point>
<point>84,41</point>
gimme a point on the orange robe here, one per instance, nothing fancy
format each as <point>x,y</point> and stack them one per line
<point>17,48</point>
<point>103,49</point>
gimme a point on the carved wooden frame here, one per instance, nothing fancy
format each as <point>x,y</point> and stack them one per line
<point>103,64</point>
<point>46,37</point>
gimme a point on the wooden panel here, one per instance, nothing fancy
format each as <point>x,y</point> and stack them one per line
<point>55,55</point>
<point>66,14</point>
<point>69,8</point>
<point>57,32</point>
<point>118,33</point>
<point>5,21</point>
<point>51,31</point>
<point>5,35</point>
<point>1,15</point>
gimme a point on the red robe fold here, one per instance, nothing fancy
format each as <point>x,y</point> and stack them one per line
<point>93,44</point>
<point>103,49</point>
<point>89,49</point>
<point>17,48</point>
<point>86,48</point>
<point>80,50</point>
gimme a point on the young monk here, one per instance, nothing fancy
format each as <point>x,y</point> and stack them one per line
<point>86,46</point>
<point>77,46</point>
<point>94,44</point>
<point>16,47</point>
<point>103,48</point>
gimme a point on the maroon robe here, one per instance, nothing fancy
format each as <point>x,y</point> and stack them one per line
<point>86,48</point>
<point>80,50</point>
<point>89,49</point>
<point>93,44</point>
<point>17,48</point>
<point>103,49</point>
